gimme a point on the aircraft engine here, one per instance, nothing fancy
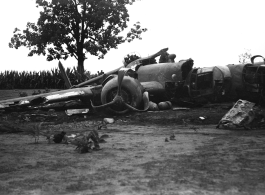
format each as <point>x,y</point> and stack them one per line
<point>131,93</point>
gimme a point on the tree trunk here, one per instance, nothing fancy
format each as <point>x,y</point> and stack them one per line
<point>80,69</point>
<point>80,66</point>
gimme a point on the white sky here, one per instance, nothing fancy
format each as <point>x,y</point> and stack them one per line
<point>211,32</point>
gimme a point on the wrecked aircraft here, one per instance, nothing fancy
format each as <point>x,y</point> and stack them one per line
<point>226,83</point>
<point>133,86</point>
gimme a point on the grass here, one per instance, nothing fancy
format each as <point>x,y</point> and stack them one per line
<point>14,93</point>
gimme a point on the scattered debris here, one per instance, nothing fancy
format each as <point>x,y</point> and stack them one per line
<point>164,105</point>
<point>180,108</point>
<point>160,106</point>
<point>172,137</point>
<point>153,106</point>
<point>202,118</point>
<point>38,116</point>
<point>70,112</point>
<point>58,138</point>
<point>108,120</point>
<point>242,114</point>
<point>22,102</point>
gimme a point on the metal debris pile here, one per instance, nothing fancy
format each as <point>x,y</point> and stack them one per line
<point>243,114</point>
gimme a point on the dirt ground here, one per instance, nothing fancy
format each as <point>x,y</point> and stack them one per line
<point>135,158</point>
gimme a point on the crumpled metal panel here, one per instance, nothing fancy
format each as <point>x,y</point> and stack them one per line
<point>64,95</point>
<point>3,106</point>
<point>70,112</point>
<point>240,115</point>
<point>23,102</point>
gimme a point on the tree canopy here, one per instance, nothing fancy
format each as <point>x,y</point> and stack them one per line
<point>130,58</point>
<point>245,57</point>
<point>76,27</point>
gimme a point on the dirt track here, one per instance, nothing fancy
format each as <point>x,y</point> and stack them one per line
<point>137,160</point>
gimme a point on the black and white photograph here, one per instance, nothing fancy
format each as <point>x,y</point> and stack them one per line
<point>132,97</point>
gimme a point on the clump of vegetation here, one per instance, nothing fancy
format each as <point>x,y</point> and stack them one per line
<point>36,92</point>
<point>130,58</point>
<point>23,94</point>
<point>40,80</point>
<point>245,57</point>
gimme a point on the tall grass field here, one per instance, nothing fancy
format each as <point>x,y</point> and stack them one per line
<point>40,80</point>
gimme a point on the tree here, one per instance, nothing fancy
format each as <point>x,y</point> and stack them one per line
<point>77,27</point>
<point>245,57</point>
<point>130,58</point>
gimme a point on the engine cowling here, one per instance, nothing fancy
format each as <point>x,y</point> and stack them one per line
<point>131,93</point>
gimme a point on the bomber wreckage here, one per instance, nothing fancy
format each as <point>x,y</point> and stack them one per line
<point>136,86</point>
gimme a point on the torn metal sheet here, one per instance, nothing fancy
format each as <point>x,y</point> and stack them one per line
<point>180,108</point>
<point>3,106</point>
<point>57,97</point>
<point>108,120</point>
<point>70,112</point>
<point>63,105</point>
<point>240,115</point>
<point>23,102</point>
<point>202,118</point>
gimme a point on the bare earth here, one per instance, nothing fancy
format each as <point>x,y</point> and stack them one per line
<point>136,159</point>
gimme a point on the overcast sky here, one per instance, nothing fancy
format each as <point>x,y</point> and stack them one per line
<point>211,32</point>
